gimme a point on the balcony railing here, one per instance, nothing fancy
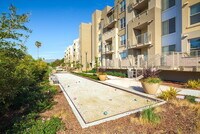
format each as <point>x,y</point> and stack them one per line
<point>143,13</point>
<point>108,49</point>
<point>141,40</point>
<point>137,2</point>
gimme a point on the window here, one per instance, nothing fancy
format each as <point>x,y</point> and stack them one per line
<point>169,26</point>
<point>195,14</point>
<point>195,44</point>
<point>167,4</point>
<point>123,55</point>
<point>170,48</point>
<point>122,6</point>
<point>122,22</point>
<point>123,39</point>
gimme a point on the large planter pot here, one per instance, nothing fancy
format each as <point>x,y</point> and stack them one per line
<point>102,77</point>
<point>150,88</point>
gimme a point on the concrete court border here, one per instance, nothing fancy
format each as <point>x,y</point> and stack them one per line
<point>113,117</point>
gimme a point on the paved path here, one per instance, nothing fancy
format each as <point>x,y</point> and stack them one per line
<point>132,84</point>
<point>95,101</point>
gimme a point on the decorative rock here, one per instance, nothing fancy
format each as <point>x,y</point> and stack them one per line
<point>68,86</point>
<point>75,98</point>
<point>105,113</point>
<point>110,99</point>
<point>135,99</point>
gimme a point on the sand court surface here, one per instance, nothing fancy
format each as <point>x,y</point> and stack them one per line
<point>93,101</point>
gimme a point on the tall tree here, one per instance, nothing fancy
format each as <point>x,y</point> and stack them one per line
<point>38,45</point>
<point>13,31</point>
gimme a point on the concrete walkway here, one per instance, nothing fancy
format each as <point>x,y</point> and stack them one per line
<point>133,85</point>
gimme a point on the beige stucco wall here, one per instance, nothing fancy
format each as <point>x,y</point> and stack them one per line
<point>188,31</point>
<point>85,40</point>
<point>96,19</point>
<point>148,22</point>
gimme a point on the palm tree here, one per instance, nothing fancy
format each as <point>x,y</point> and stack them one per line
<point>38,45</point>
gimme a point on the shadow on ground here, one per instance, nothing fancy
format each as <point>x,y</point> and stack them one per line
<point>137,88</point>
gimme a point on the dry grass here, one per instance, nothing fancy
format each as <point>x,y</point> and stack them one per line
<point>159,110</point>
<point>192,107</point>
<point>185,103</point>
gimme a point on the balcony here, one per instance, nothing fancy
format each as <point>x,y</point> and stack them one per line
<point>108,49</point>
<point>111,22</point>
<point>110,34</point>
<point>139,4</point>
<point>142,40</point>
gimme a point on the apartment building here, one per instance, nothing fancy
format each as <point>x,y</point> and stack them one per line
<point>96,36</point>
<point>68,58</point>
<point>144,30</point>
<point>109,37</point>
<point>141,33</point>
<point>85,40</point>
<point>171,26</point>
<point>76,51</point>
<point>191,26</point>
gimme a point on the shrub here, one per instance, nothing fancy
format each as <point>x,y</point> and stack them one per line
<point>150,116</point>
<point>150,72</point>
<point>40,126</point>
<point>168,94</point>
<point>190,98</point>
<point>152,80</point>
<point>88,76</point>
<point>118,74</point>
<point>92,71</point>
<point>194,84</point>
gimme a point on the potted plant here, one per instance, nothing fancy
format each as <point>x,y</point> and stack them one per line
<point>102,76</point>
<point>151,81</point>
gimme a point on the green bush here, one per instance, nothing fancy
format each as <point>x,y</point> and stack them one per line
<point>92,71</point>
<point>194,84</point>
<point>152,80</point>
<point>150,116</point>
<point>88,76</point>
<point>190,98</point>
<point>118,74</point>
<point>31,125</point>
<point>168,94</point>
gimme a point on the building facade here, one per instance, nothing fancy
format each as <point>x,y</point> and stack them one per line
<point>171,26</point>
<point>96,36</point>
<point>85,40</point>
<point>142,33</point>
<point>191,26</point>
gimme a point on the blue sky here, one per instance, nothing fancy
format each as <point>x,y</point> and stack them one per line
<point>55,23</point>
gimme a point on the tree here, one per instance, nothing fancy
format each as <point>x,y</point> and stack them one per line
<point>38,45</point>
<point>16,75</point>
<point>13,32</point>
<point>97,64</point>
<point>58,62</point>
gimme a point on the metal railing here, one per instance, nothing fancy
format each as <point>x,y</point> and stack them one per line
<point>107,49</point>
<point>185,61</point>
<point>143,38</point>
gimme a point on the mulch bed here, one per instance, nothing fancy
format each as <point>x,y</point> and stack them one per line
<point>174,84</point>
<point>174,119</point>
